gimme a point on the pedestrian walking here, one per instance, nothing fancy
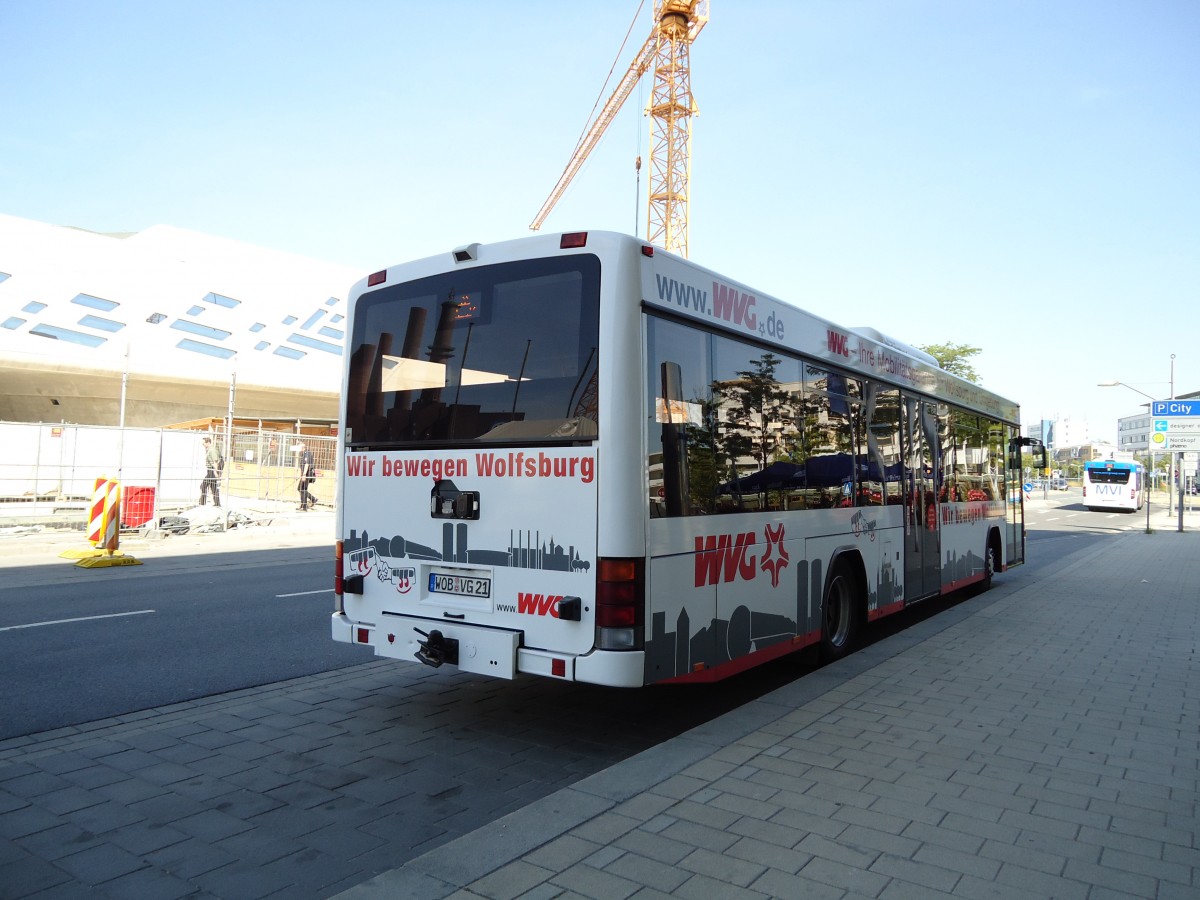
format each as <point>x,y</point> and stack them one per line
<point>307,475</point>
<point>214,465</point>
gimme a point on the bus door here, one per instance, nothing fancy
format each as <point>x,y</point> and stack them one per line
<point>922,536</point>
<point>1015,518</point>
<point>1015,477</point>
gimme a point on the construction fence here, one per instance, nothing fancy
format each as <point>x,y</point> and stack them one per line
<point>48,472</point>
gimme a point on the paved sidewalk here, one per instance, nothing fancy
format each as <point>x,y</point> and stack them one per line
<point>1035,741</point>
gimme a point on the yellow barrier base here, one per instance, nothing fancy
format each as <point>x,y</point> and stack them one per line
<point>100,562</point>
<point>81,554</point>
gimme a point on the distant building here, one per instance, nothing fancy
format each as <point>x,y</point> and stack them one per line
<point>1043,430</point>
<point>1072,432</point>
<point>1085,453</point>
<point>1061,433</point>
<point>1133,433</point>
<point>164,326</point>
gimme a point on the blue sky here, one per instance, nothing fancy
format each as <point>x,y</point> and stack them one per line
<point>1018,176</point>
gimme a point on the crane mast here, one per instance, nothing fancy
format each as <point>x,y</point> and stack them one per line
<point>671,106</point>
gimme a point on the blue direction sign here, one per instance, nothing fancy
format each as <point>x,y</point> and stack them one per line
<point>1175,408</point>
<point>1176,425</point>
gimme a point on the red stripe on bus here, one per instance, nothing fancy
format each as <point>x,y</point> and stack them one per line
<point>888,610</point>
<point>961,583</point>
<point>749,661</point>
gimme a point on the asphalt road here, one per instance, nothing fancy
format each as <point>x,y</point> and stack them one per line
<point>87,646</point>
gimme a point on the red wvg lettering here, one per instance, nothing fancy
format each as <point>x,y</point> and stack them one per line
<point>538,604</point>
<point>724,557</point>
<point>733,306</point>
<point>838,343</point>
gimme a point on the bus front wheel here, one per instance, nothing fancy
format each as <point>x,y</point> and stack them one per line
<point>839,612</point>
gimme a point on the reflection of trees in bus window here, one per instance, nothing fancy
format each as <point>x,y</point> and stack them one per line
<point>828,397</point>
<point>755,398</point>
<point>950,456</point>
<point>919,433</point>
<point>995,455</point>
<point>880,428</point>
<point>734,428</point>
<point>972,457</point>
<point>831,440</point>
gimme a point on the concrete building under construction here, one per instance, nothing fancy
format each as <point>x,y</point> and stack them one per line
<point>164,326</point>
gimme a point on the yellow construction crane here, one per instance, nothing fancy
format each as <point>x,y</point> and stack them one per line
<point>667,52</point>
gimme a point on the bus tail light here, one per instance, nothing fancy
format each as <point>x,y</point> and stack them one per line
<point>572,240</point>
<point>338,582</point>
<point>342,583</point>
<point>620,604</point>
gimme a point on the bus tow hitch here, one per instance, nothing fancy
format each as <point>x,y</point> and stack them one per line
<point>436,649</point>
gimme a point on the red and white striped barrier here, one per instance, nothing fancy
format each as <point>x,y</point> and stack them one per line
<point>104,530</point>
<point>104,520</point>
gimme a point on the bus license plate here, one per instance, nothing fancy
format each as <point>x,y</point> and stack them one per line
<point>460,585</point>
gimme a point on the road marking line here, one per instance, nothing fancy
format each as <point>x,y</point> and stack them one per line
<point>140,612</point>
<point>304,593</point>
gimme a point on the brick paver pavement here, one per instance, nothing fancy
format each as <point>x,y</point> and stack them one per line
<point>1041,740</point>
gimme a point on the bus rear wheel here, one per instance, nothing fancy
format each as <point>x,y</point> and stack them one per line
<point>991,564</point>
<point>839,612</point>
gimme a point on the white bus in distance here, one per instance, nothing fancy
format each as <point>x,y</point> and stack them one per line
<point>581,457</point>
<point>1113,484</point>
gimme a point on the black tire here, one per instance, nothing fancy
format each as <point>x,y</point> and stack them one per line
<point>840,612</point>
<point>991,564</point>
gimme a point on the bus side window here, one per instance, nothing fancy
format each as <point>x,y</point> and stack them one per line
<point>880,413</point>
<point>680,469</point>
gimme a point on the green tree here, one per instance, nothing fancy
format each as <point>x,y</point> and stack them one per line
<point>954,358</point>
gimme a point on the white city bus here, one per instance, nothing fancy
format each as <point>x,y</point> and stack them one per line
<point>1112,484</point>
<point>582,457</point>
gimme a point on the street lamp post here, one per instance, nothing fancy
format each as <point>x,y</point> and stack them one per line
<point>1174,457</point>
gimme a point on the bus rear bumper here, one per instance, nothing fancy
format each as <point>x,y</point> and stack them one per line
<point>614,668</point>
<point>491,651</point>
<point>483,651</point>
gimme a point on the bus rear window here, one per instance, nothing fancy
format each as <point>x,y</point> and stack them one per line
<point>1109,476</point>
<point>494,354</point>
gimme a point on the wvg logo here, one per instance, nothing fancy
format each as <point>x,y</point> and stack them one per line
<point>837,343</point>
<point>725,557</point>
<point>534,604</point>
<point>728,304</point>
